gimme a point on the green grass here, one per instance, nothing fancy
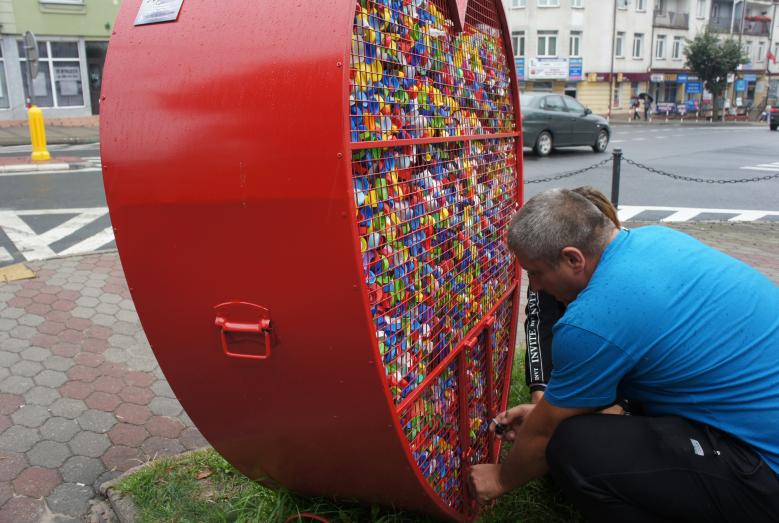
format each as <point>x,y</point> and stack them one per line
<point>203,487</point>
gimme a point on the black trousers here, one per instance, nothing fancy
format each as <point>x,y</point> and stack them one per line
<point>641,469</point>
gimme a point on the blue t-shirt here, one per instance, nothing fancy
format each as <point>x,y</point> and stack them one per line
<point>682,328</point>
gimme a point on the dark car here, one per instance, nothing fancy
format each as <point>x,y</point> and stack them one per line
<point>554,120</point>
<point>773,117</point>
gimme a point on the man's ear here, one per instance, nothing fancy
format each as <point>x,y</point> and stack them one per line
<point>573,258</point>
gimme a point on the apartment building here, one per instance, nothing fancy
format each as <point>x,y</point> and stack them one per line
<point>72,38</point>
<point>604,52</point>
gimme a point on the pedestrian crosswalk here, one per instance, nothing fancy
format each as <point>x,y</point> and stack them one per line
<point>769,167</point>
<point>27,235</point>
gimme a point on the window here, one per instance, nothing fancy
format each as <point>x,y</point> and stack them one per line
<point>748,50</point>
<point>4,103</point>
<point>678,48</point>
<point>660,47</point>
<point>58,83</point>
<point>638,45</point>
<point>577,3</point>
<point>640,5</point>
<point>518,4</point>
<point>573,106</point>
<point>760,51</point>
<point>547,43</point>
<point>548,3</point>
<point>623,4</point>
<point>659,6</point>
<point>701,11</point>
<point>617,99</point>
<point>619,46</point>
<point>518,41</point>
<point>553,102</point>
<point>575,44</point>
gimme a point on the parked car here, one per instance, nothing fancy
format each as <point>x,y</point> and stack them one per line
<point>773,117</point>
<point>553,120</point>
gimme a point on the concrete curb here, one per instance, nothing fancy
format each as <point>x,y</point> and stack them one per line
<point>116,505</point>
<point>28,168</point>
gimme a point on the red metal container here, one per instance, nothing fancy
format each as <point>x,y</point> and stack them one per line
<point>309,201</point>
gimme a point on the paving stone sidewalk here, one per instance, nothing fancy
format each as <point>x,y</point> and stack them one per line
<point>82,398</point>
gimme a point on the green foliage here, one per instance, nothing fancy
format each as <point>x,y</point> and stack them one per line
<point>202,487</point>
<point>712,60</point>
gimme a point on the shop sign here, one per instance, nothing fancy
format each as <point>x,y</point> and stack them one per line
<point>681,78</point>
<point>156,11</point>
<point>657,78</point>
<point>750,77</point>
<point>575,67</point>
<point>692,88</point>
<point>548,69</point>
<point>666,107</point>
<point>670,77</point>
<point>519,63</point>
<point>741,85</point>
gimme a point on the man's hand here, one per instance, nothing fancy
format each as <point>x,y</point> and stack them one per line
<point>485,483</point>
<point>512,418</point>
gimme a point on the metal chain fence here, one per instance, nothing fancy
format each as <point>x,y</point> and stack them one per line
<point>699,180</point>
<point>568,174</point>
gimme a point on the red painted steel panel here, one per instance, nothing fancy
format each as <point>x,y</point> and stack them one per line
<point>228,170</point>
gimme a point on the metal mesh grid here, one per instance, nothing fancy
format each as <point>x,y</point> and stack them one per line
<point>431,214</point>
<point>431,220</point>
<point>478,411</point>
<point>413,76</point>
<point>432,428</point>
<point>501,345</point>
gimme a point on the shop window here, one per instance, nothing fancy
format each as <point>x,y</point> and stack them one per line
<point>617,99</point>
<point>58,83</point>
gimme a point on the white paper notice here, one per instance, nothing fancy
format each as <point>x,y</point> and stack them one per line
<point>156,11</point>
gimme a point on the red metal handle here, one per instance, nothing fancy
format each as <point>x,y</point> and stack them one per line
<point>251,328</point>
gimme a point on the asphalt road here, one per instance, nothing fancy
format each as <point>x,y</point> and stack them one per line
<point>58,213</point>
<point>696,151</point>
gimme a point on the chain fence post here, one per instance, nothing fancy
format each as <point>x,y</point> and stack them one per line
<point>615,172</point>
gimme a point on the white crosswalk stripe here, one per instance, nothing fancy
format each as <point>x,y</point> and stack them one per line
<point>72,236</point>
<point>68,237</point>
<point>763,167</point>
<point>684,214</point>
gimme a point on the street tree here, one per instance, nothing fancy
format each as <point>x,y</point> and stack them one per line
<point>713,60</point>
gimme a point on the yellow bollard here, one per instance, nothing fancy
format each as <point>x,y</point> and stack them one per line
<point>38,135</point>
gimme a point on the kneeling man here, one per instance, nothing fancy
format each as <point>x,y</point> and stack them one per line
<point>660,319</point>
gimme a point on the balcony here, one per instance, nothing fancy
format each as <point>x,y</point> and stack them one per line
<point>672,20</point>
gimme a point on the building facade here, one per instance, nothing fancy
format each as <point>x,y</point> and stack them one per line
<point>607,52</point>
<point>72,38</point>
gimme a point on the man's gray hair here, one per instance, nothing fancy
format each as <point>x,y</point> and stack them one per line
<point>555,219</point>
